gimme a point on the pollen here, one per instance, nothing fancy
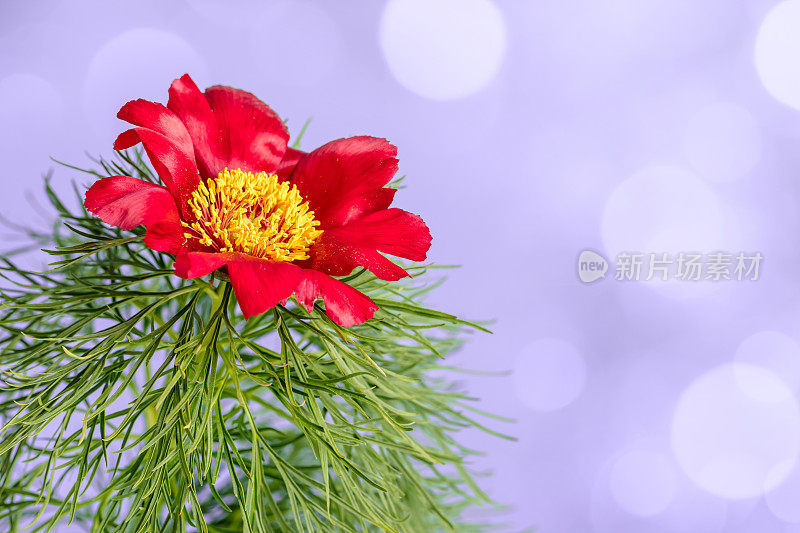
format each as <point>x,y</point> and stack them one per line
<point>252,213</point>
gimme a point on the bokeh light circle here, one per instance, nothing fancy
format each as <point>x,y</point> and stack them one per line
<point>731,442</point>
<point>443,49</point>
<point>665,210</point>
<point>662,209</point>
<point>723,142</point>
<point>310,60</point>
<point>783,500</point>
<point>33,110</point>
<point>643,482</point>
<point>140,63</point>
<point>32,117</point>
<point>549,374</point>
<point>237,13</point>
<point>774,351</point>
<point>642,489</point>
<point>776,52</point>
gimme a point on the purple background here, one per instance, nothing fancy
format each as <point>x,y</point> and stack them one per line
<point>528,131</point>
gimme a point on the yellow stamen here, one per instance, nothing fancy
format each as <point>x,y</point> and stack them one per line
<point>255,214</point>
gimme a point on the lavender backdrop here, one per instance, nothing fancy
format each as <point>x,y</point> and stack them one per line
<point>529,131</point>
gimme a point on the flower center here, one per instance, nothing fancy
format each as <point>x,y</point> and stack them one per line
<point>255,214</point>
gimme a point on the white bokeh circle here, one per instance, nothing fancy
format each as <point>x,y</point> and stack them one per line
<point>783,500</point>
<point>443,49</point>
<point>662,209</point>
<point>236,13</point>
<point>33,110</point>
<point>774,351</point>
<point>643,482</point>
<point>665,210</point>
<point>665,501</point>
<point>32,117</point>
<point>140,63</point>
<point>776,51</point>
<point>549,374</point>
<point>722,142</point>
<point>731,442</point>
<point>310,60</point>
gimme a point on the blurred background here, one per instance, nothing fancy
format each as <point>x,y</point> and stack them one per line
<point>529,131</point>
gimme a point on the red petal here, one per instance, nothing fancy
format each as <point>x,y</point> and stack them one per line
<point>335,254</point>
<point>128,202</point>
<point>259,284</point>
<point>256,134</point>
<point>174,167</point>
<point>158,118</point>
<point>165,236</point>
<point>363,204</point>
<point>289,162</point>
<point>393,231</point>
<point>188,103</point>
<point>343,304</point>
<point>341,180</point>
<point>192,265</point>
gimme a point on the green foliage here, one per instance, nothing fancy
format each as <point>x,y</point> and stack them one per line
<point>135,401</point>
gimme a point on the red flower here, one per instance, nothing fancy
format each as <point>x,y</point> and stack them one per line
<point>277,220</point>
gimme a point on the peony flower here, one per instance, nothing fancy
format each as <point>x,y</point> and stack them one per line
<point>275,220</point>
